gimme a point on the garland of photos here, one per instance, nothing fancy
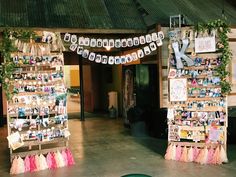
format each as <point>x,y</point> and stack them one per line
<point>27,42</point>
<point>222,28</point>
<point>79,45</point>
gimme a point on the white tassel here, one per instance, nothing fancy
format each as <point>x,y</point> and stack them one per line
<point>223,155</point>
<point>190,154</point>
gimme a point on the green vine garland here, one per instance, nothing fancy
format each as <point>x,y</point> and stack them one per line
<point>6,48</point>
<point>221,28</point>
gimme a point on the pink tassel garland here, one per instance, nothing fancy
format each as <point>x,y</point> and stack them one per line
<point>33,166</point>
<point>178,153</point>
<point>168,152</point>
<point>184,155</point>
<point>70,158</point>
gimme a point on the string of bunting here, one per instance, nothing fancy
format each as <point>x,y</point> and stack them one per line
<point>78,44</point>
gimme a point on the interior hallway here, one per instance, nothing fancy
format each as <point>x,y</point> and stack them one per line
<point>102,147</point>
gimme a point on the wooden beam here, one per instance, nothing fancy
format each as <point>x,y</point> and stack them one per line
<point>159,70</point>
<point>80,30</point>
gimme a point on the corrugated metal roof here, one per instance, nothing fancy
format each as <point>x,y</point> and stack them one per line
<point>85,14</point>
<point>194,11</point>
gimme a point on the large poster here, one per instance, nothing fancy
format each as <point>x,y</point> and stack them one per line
<point>178,89</point>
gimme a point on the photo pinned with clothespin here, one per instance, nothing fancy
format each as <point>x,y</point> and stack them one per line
<point>67,37</point>
<point>80,50</point>
<point>129,42</point>
<point>161,35</point>
<point>117,43</point>
<point>105,43</point>
<point>73,47</point>
<point>86,41</point>
<point>159,42</point>
<point>99,43</point>
<point>117,60</point>
<point>81,41</point>
<point>85,53</point>
<point>98,58</point>
<point>140,53</point>
<point>104,59</point>
<point>135,56</point>
<point>154,36</point>
<point>124,42</point>
<point>111,60</point>
<point>142,40</point>
<point>148,38</point>
<point>147,50</point>
<point>73,39</point>
<point>93,42</point>
<point>92,56</point>
<point>152,46</point>
<point>123,59</point>
<point>136,41</point>
<point>111,43</point>
<point>129,58</point>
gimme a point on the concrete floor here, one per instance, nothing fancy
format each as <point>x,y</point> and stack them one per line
<point>102,147</point>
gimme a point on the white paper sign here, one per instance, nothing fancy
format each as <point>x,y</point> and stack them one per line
<point>178,89</point>
<point>205,44</point>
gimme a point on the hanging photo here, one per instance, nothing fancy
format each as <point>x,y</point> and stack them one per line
<point>178,89</point>
<point>129,58</point>
<point>136,41</point>
<point>80,50</point>
<point>172,73</point>
<point>98,58</point>
<point>148,38</point>
<point>105,43</point>
<point>147,50</point>
<point>73,39</point>
<point>123,59</point>
<point>92,56</point>
<point>73,47</point>
<point>117,60</point>
<point>99,42</point>
<point>85,53</point>
<point>117,43</point>
<point>111,60</point>
<point>154,36</point>
<point>173,133</point>
<point>111,43</point>
<point>81,41</point>
<point>104,59</point>
<point>130,42</point>
<point>93,42</point>
<point>159,42</point>
<point>86,41</point>
<point>135,56</point>
<point>67,37</point>
<point>140,53</point>
<point>142,40</point>
<point>161,35</point>
<point>152,46</point>
<point>124,42</point>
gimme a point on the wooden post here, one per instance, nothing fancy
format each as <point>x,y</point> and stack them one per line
<point>159,70</point>
<point>82,118</point>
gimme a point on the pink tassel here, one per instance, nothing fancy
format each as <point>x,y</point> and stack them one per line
<point>43,162</point>
<point>32,164</point>
<point>53,159</point>
<point>204,157</point>
<point>216,156</point>
<point>184,155</point>
<point>37,163</point>
<point>196,152</point>
<point>211,152</point>
<point>200,156</point>
<point>178,152</point>
<point>64,155</point>
<point>21,165</point>
<point>14,164</point>
<point>70,158</point>
<point>190,154</point>
<point>168,152</point>
<point>59,159</point>
<point>223,155</point>
<point>27,164</point>
<point>49,160</point>
<point>173,155</point>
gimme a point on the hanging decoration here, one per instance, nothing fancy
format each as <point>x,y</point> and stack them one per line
<point>79,44</point>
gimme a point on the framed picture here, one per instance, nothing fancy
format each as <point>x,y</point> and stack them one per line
<point>178,89</point>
